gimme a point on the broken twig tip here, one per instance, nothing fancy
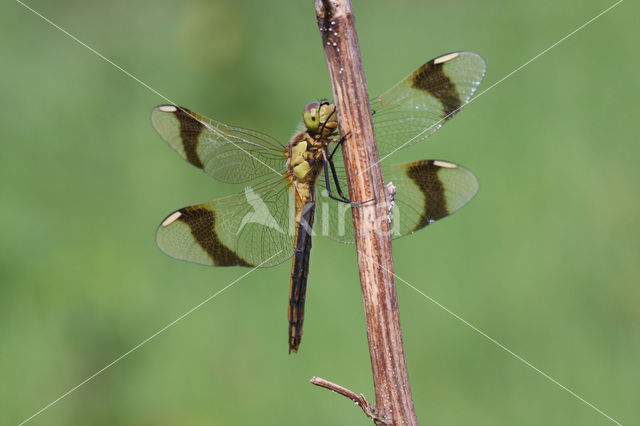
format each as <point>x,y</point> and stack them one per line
<point>358,399</point>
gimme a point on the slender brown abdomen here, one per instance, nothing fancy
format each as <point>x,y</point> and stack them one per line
<point>300,271</point>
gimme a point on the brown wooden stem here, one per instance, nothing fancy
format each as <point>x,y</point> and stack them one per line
<point>373,240</point>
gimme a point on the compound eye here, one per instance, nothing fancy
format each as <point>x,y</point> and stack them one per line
<point>326,112</point>
<point>310,116</point>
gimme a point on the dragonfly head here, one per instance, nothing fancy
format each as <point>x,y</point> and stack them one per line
<point>321,118</point>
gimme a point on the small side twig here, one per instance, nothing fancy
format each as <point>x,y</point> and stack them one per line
<point>359,399</point>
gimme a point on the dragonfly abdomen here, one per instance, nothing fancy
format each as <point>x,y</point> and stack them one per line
<point>299,274</point>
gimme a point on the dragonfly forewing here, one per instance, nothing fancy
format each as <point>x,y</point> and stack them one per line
<point>229,154</point>
<point>422,102</point>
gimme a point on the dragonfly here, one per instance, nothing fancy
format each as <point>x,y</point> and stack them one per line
<point>289,186</point>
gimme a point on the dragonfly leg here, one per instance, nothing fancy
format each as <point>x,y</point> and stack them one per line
<point>329,163</point>
<point>327,182</point>
<point>333,167</point>
<point>335,175</point>
<point>338,144</point>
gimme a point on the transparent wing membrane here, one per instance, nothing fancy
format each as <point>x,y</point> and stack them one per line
<point>426,191</point>
<point>239,230</point>
<point>419,105</point>
<point>229,154</point>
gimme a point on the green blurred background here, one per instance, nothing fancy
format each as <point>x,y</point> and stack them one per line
<point>545,259</point>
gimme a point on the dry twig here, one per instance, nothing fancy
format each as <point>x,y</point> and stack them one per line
<point>373,240</point>
<point>359,399</point>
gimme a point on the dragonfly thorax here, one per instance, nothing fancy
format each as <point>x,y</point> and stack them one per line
<point>305,157</point>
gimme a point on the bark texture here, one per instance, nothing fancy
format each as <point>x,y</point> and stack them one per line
<point>394,403</point>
